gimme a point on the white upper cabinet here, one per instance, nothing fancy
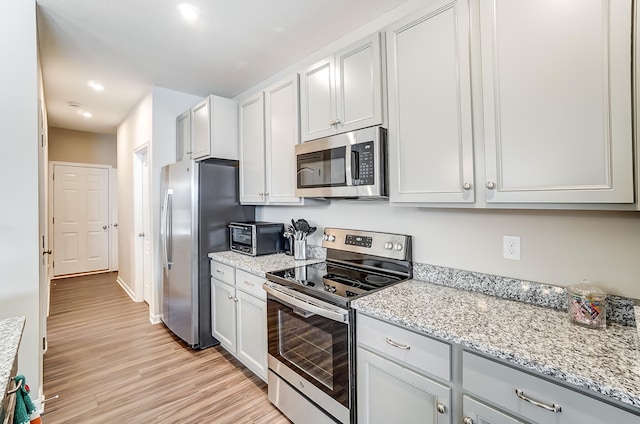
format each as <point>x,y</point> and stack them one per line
<point>214,129</point>
<point>343,92</point>
<point>183,136</point>
<point>557,98</point>
<point>282,133</point>
<point>252,171</point>
<point>269,131</point>
<point>430,127</point>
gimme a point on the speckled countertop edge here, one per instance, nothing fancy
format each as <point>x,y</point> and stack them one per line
<point>536,338</point>
<point>259,265</point>
<point>10,336</point>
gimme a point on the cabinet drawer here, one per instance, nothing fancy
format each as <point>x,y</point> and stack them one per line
<point>250,283</point>
<point>418,351</point>
<point>498,383</point>
<point>222,272</point>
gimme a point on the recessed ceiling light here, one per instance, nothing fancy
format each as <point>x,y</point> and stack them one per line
<point>87,114</point>
<point>189,11</point>
<point>95,85</point>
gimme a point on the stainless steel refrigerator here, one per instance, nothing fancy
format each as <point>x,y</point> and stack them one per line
<point>199,201</point>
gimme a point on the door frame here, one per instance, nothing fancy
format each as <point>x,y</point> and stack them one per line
<point>50,207</point>
<point>144,150</point>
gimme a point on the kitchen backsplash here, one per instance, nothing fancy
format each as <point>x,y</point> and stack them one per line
<point>619,309</point>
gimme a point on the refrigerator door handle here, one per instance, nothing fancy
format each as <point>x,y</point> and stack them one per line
<point>166,225</point>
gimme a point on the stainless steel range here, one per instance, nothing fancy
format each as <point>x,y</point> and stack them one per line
<point>311,325</point>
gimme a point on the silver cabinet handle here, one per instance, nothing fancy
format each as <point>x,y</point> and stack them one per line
<point>552,408</point>
<point>140,234</point>
<point>396,344</point>
<point>491,185</point>
<point>441,408</point>
<point>249,283</point>
<point>219,271</point>
<point>466,186</point>
<point>467,420</point>
<point>261,194</point>
<point>337,121</point>
<point>229,297</point>
<point>266,193</point>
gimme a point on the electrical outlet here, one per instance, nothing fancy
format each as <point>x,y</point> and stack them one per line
<point>511,247</point>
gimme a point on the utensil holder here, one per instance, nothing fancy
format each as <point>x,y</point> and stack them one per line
<point>300,249</point>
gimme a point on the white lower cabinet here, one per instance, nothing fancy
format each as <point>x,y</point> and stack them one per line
<point>478,413</point>
<point>239,317</point>
<point>533,398</point>
<point>394,369</point>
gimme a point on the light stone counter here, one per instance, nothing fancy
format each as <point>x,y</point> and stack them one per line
<point>536,338</point>
<point>10,336</point>
<point>259,265</point>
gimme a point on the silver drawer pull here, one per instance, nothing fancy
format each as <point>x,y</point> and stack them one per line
<point>249,283</point>
<point>396,344</point>
<point>219,271</point>
<point>552,408</point>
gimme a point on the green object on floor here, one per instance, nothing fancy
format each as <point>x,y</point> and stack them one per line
<point>24,405</point>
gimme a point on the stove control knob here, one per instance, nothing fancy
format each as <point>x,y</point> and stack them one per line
<point>388,245</point>
<point>330,289</point>
<point>331,238</point>
<point>398,246</point>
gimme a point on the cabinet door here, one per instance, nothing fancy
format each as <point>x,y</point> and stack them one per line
<point>183,136</point>
<point>358,79</point>
<point>390,393</point>
<point>223,316</point>
<point>252,172</point>
<point>430,129</point>
<point>479,413</point>
<point>281,135</point>
<point>252,333</point>
<point>200,129</point>
<point>557,100</point>
<point>317,101</point>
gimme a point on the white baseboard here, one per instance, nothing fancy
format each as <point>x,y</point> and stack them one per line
<point>126,288</point>
<point>155,318</point>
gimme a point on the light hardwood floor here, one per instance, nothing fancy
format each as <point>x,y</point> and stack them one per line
<point>109,364</point>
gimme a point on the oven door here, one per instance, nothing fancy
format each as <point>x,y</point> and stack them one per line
<point>310,340</point>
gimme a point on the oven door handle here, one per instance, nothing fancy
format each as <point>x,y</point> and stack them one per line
<point>301,304</point>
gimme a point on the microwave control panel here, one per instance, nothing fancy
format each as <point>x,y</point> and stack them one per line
<point>362,162</point>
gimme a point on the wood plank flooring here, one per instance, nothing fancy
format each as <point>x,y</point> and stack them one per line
<point>109,364</point>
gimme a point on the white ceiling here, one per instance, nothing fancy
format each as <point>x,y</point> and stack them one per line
<point>129,46</point>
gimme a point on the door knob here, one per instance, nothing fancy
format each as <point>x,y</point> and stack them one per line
<point>104,227</point>
<point>140,234</point>
<point>115,225</point>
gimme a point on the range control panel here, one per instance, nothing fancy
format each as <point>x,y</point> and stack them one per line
<point>395,246</point>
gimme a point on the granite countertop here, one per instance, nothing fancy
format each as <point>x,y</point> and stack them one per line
<point>259,265</point>
<point>10,335</point>
<point>536,338</point>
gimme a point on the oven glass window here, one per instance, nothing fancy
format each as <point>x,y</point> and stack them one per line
<point>314,347</point>
<point>322,169</point>
<point>307,347</point>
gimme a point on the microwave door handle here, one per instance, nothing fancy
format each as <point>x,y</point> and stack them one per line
<point>355,165</point>
<point>348,163</point>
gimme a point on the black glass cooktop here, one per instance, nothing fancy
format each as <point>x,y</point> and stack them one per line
<point>332,282</point>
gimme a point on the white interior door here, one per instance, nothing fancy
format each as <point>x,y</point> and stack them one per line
<point>80,219</point>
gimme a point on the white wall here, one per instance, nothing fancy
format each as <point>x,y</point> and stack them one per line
<point>558,247</point>
<point>19,248</point>
<point>133,132</point>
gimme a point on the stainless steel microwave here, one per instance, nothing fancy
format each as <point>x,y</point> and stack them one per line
<point>256,238</point>
<point>349,165</point>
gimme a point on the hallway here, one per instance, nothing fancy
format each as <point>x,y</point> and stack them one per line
<point>109,364</point>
